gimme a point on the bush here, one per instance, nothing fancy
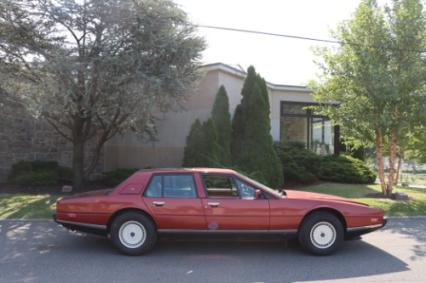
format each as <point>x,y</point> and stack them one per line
<point>117,176</point>
<point>40,178</point>
<point>300,165</point>
<point>345,169</point>
<point>39,173</point>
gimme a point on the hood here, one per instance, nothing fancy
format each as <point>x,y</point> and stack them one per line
<point>318,196</point>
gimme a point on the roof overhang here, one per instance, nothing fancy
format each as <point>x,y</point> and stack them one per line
<point>242,74</point>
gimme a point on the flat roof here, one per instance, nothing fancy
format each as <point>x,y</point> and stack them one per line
<point>242,74</point>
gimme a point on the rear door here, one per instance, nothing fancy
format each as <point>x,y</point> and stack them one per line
<point>174,202</point>
<point>230,204</point>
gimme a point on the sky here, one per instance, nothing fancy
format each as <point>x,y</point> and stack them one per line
<point>279,60</point>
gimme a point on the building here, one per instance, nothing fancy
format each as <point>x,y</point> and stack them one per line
<point>290,121</point>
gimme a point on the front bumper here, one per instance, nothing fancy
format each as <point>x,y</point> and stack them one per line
<point>358,231</point>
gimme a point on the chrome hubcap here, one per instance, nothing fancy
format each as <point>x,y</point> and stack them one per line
<point>132,234</point>
<point>323,235</point>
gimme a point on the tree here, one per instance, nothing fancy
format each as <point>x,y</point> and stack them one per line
<point>375,77</point>
<point>252,145</point>
<point>222,122</point>
<point>202,149</point>
<point>95,68</point>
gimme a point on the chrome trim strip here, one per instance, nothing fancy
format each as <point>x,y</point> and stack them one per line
<point>96,226</point>
<point>225,231</point>
<point>366,227</point>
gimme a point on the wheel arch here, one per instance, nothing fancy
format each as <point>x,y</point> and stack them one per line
<point>125,210</point>
<point>331,210</point>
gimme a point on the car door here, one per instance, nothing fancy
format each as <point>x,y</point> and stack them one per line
<point>230,204</point>
<point>174,202</point>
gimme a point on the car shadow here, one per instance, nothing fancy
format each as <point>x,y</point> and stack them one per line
<point>32,250</point>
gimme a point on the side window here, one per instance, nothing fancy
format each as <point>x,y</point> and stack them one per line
<point>172,186</point>
<point>179,186</point>
<point>219,186</point>
<point>154,189</point>
<point>246,191</point>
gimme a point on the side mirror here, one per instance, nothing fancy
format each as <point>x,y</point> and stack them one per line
<point>258,194</point>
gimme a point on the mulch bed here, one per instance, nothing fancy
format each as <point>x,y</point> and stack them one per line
<point>381,196</point>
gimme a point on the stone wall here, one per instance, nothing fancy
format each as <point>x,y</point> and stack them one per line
<point>22,137</point>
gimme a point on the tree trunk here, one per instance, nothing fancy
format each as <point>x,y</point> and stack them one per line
<point>398,168</point>
<point>392,156</point>
<point>78,164</point>
<point>379,159</point>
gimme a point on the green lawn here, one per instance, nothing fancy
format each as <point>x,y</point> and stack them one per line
<point>416,206</point>
<point>26,206</point>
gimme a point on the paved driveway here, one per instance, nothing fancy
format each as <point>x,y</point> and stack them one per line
<point>40,251</point>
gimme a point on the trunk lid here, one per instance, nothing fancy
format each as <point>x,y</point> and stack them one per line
<point>96,193</point>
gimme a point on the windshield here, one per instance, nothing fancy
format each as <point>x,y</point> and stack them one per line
<point>261,186</point>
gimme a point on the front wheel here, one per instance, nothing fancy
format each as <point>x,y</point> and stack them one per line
<point>133,233</point>
<point>321,233</point>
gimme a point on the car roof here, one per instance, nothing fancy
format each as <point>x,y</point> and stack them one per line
<point>187,170</point>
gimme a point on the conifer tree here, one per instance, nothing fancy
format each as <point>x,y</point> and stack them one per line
<point>201,148</point>
<point>252,145</point>
<point>222,122</point>
<point>193,147</point>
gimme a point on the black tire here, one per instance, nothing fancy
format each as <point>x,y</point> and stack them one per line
<point>139,221</point>
<point>321,224</point>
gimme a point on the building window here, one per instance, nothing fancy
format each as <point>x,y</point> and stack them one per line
<point>303,125</point>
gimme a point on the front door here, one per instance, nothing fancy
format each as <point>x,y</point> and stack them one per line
<point>174,203</point>
<point>230,204</point>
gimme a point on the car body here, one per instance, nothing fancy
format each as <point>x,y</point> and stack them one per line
<point>209,200</point>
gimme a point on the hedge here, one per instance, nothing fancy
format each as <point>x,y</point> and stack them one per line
<point>39,173</point>
<point>302,166</point>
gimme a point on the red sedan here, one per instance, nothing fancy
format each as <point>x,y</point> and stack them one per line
<point>206,200</point>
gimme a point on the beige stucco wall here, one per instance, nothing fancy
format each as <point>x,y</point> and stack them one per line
<point>129,151</point>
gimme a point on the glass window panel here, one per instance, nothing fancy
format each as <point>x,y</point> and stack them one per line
<point>172,186</point>
<point>317,134</point>
<point>154,188</point>
<point>322,141</point>
<point>294,129</point>
<point>329,137</point>
<point>219,186</point>
<point>298,124</point>
<point>179,186</point>
<point>246,191</point>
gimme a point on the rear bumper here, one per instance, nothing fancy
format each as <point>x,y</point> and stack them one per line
<point>358,231</point>
<point>82,227</point>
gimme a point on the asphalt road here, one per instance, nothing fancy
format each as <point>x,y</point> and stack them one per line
<point>41,251</point>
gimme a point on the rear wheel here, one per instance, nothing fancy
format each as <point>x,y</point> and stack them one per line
<point>321,233</point>
<point>133,233</point>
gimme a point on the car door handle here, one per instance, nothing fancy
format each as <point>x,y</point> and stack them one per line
<point>158,203</point>
<point>213,204</point>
